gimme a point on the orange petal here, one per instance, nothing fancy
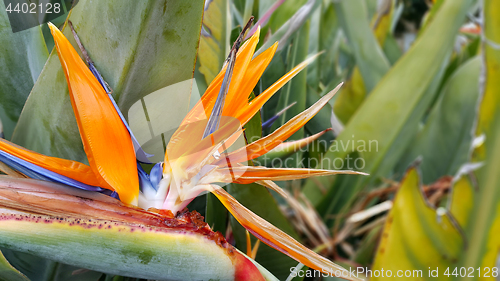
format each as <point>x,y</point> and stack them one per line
<point>248,174</point>
<point>246,113</point>
<point>277,137</point>
<point>252,77</point>
<point>204,107</point>
<point>106,141</point>
<point>273,186</point>
<point>71,169</point>
<point>236,94</point>
<point>189,128</point>
<point>293,146</point>
<point>276,238</point>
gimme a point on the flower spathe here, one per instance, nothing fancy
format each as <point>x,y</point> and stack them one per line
<point>192,163</point>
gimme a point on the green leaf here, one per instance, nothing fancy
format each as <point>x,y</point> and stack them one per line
<point>329,40</point>
<point>37,269</point>
<point>370,58</point>
<point>284,34</point>
<point>484,220</point>
<point>258,199</point>
<point>253,129</point>
<point>138,46</point>
<point>354,91</point>
<point>391,49</point>
<point>445,141</point>
<point>433,240</point>
<point>8,272</point>
<point>247,13</point>
<point>490,101</point>
<point>295,90</point>
<point>462,199</point>
<point>214,40</point>
<point>216,214</point>
<point>284,13</point>
<point>22,56</point>
<point>381,129</point>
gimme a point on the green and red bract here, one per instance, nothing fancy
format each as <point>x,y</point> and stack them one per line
<point>97,232</point>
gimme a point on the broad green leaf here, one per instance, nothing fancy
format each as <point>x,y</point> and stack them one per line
<point>431,14</point>
<point>313,70</point>
<point>22,56</point>
<point>214,39</point>
<point>258,199</point>
<point>329,39</point>
<point>138,46</point>
<point>37,269</point>
<point>354,91</point>
<point>416,237</point>
<point>216,214</point>
<point>370,58</point>
<point>391,49</point>
<point>382,127</point>
<point>484,221</point>
<point>445,141</point>
<point>8,272</point>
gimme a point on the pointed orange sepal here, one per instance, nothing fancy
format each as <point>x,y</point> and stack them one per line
<point>276,238</point>
<point>265,144</point>
<point>106,141</point>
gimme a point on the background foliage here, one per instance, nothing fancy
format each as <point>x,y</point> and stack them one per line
<point>421,82</point>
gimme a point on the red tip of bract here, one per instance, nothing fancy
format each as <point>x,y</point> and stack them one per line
<point>105,138</point>
<point>245,269</point>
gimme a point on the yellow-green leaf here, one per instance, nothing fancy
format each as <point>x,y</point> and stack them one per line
<point>484,222</point>
<point>8,272</point>
<point>416,237</point>
<point>214,39</point>
<point>462,200</point>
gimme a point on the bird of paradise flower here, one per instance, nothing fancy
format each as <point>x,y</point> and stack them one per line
<point>196,157</point>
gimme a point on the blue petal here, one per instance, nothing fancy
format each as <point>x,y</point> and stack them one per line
<point>110,193</point>
<point>144,182</point>
<point>156,175</point>
<point>269,122</point>
<point>36,172</point>
<point>98,75</point>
